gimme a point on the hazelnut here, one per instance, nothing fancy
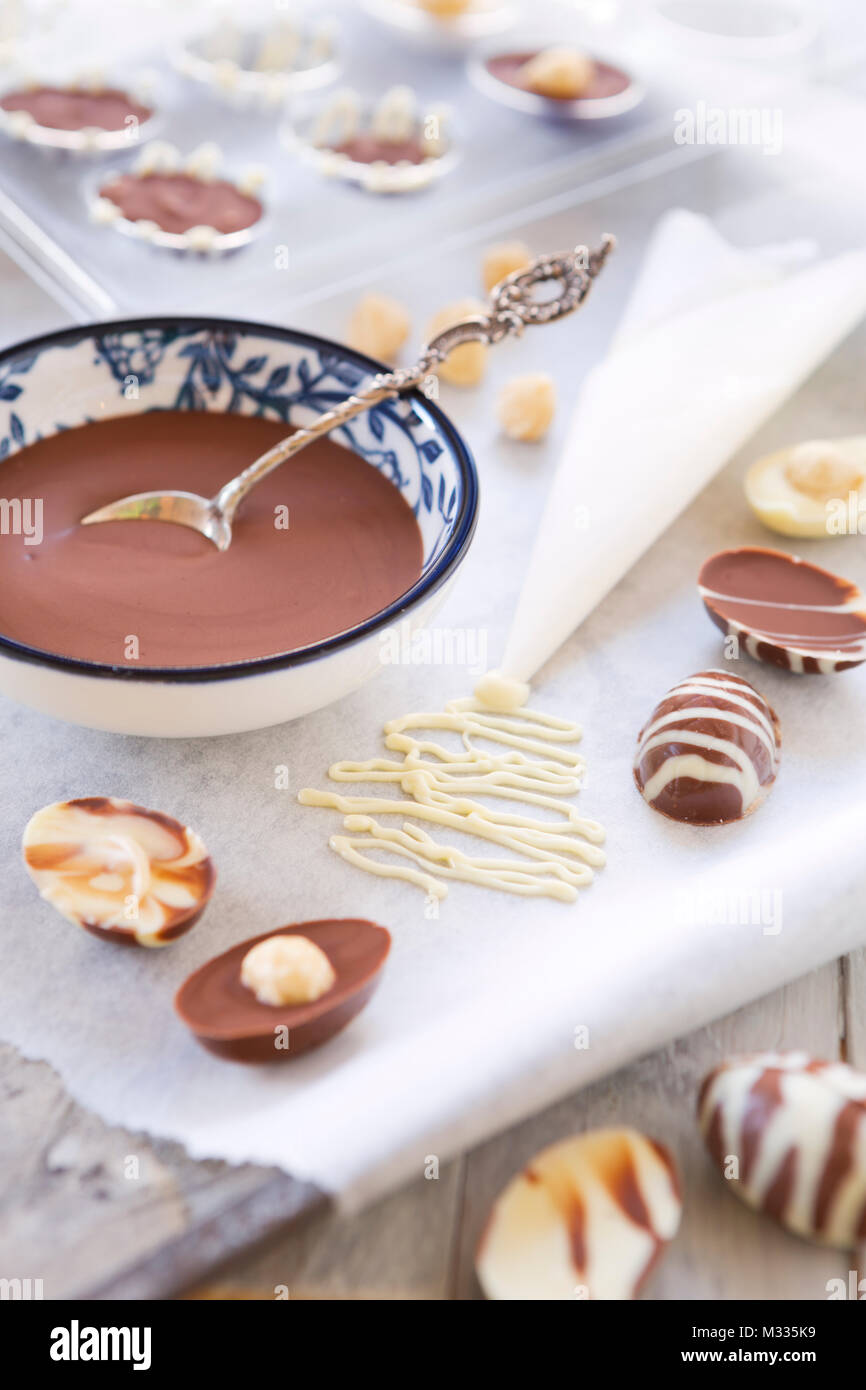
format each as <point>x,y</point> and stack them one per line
<point>558,72</point>
<point>586,1218</point>
<point>502,259</point>
<point>445,9</point>
<point>287,970</point>
<point>379,326</point>
<point>822,471</point>
<point>465,365</point>
<point>526,406</point>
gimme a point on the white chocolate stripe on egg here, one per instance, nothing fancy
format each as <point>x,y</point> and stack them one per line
<point>853,605</point>
<point>760,728</point>
<point>701,769</point>
<point>723,689</point>
<point>797,1131</point>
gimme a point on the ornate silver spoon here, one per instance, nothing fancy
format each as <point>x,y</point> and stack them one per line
<point>512,306</point>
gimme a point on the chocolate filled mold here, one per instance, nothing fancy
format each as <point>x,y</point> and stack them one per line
<point>181,203</point>
<point>555,82</point>
<point>84,116</point>
<point>261,65</point>
<point>396,146</point>
<point>122,872</point>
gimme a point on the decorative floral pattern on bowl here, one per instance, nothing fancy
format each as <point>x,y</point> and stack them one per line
<point>229,367</point>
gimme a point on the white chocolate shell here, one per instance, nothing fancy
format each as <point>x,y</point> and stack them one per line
<point>812,488</point>
<point>789,1134</point>
<point>118,870</point>
<point>587,1218</point>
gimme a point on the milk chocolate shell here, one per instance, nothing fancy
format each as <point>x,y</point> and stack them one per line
<point>710,750</point>
<point>587,1218</point>
<point>785,611</point>
<point>789,1135</point>
<point>227,1018</point>
<point>122,872</point>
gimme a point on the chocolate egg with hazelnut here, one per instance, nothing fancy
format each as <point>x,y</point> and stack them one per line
<point>587,1218</point>
<point>122,872</point>
<point>276,996</point>
<point>788,1132</point>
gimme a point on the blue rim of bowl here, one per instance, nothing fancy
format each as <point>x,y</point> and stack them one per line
<point>452,555</point>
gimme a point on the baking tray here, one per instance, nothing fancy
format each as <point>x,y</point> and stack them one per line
<point>508,162</point>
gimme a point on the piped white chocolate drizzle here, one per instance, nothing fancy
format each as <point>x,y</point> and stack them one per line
<point>536,767</point>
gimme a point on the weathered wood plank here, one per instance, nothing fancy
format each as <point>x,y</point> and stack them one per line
<point>854,1004</point>
<point>401,1248</point>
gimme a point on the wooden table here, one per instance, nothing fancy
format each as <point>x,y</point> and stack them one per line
<point>71,1213</point>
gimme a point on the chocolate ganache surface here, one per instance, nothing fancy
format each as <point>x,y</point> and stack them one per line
<point>322,544</point>
<point>70,108</point>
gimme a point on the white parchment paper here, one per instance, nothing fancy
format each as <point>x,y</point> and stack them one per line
<point>478,1013</point>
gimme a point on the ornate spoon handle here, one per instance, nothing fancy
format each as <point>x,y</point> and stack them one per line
<point>512,307</point>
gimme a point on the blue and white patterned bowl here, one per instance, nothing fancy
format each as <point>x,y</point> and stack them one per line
<point>224,365</point>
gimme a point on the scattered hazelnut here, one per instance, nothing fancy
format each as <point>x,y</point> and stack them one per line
<point>558,72</point>
<point>379,326</point>
<point>503,258</point>
<point>527,405</point>
<point>465,365</point>
<point>287,970</point>
<point>586,1218</point>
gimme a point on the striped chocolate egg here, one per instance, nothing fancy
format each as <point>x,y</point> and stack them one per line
<point>586,1219</point>
<point>710,750</point>
<point>784,610</point>
<point>790,1135</point>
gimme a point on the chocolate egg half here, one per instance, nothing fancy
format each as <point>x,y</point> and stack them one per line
<point>122,872</point>
<point>710,750</point>
<point>789,1133</point>
<point>228,1019</point>
<point>784,610</point>
<point>587,1218</point>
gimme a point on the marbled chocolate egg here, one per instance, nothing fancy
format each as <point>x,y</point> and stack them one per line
<point>790,1134</point>
<point>587,1218</point>
<point>710,750</point>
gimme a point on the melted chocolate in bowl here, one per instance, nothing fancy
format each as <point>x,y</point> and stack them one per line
<point>177,202</point>
<point>606,81</point>
<point>352,547</point>
<point>59,108</point>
